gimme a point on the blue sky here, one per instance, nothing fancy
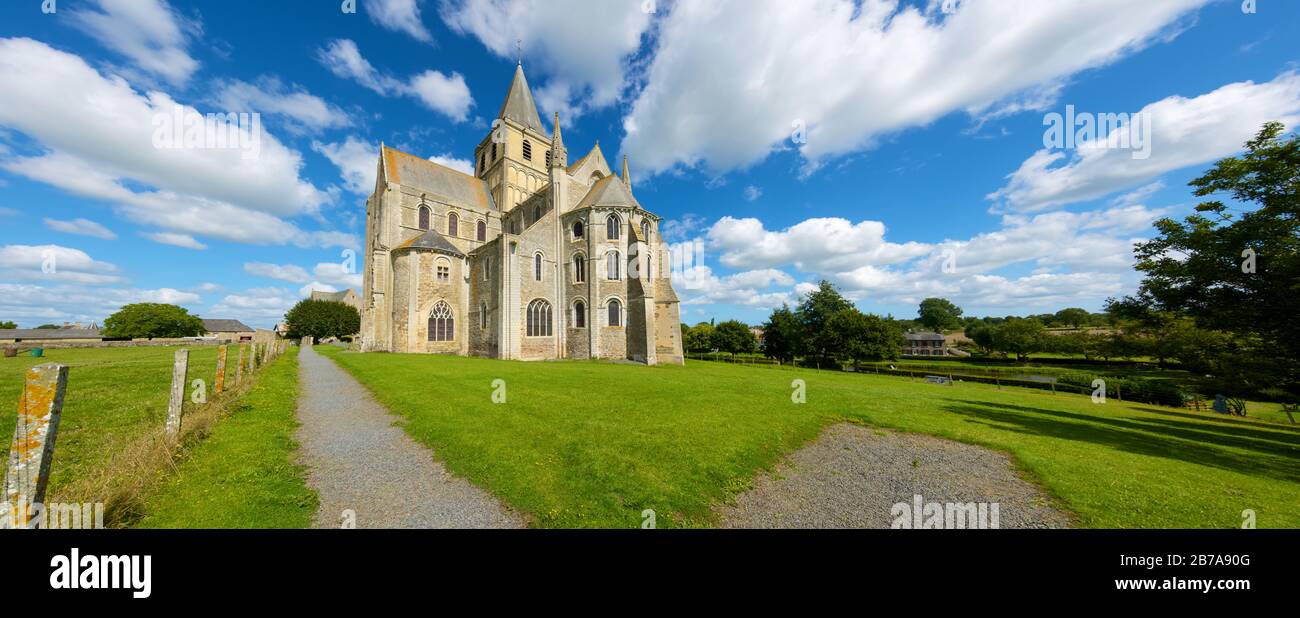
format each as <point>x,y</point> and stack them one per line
<point>867,143</point>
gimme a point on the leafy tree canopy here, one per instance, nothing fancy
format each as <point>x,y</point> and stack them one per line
<point>321,319</point>
<point>152,320</point>
<point>939,314</point>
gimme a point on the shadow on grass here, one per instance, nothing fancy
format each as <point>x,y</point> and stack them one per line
<point>1168,439</point>
<point>1222,418</point>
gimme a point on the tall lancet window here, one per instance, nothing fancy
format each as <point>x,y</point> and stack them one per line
<point>613,266</point>
<point>611,227</point>
<point>537,266</point>
<point>539,319</point>
<point>615,317</point>
<point>482,230</point>
<point>453,225</point>
<point>424,217</point>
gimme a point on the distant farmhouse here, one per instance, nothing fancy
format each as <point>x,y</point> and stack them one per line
<point>347,297</point>
<point>69,333</point>
<point>228,330</point>
<point>929,344</point>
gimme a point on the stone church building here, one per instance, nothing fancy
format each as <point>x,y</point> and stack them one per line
<point>530,258</point>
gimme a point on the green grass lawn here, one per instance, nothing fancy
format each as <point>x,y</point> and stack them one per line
<point>582,444</point>
<point>244,475</point>
<point>114,396</point>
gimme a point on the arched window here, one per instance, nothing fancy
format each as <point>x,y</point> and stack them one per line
<point>539,318</point>
<point>528,150</point>
<point>537,266</point>
<point>612,266</point>
<point>537,211</point>
<point>579,268</point>
<point>595,175</point>
<point>577,229</point>
<point>442,326</point>
<point>442,269</point>
<point>482,315</point>
<point>494,151</point>
<point>615,310</point>
<point>482,230</point>
<point>424,217</point>
<point>487,268</point>
<point>548,159</point>
<point>645,230</point>
<point>579,314</point>
<point>453,225</point>
<point>611,227</point>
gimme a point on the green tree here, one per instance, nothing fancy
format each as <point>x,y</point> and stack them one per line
<point>865,337</point>
<point>7,324</point>
<point>48,327</point>
<point>1021,337</point>
<point>982,334</point>
<point>699,338</point>
<point>1073,317</point>
<point>152,320</point>
<point>734,337</point>
<point>322,319</point>
<point>814,312</point>
<point>1233,269</point>
<point>782,335</point>
<point>939,314</point>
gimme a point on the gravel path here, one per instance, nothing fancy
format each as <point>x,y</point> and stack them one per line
<point>852,476</point>
<point>358,459</point>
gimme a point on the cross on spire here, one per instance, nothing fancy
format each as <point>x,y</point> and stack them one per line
<point>519,52</point>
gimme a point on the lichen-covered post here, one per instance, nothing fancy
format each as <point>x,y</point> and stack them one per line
<point>239,366</point>
<point>180,366</point>
<point>219,384</point>
<point>28,474</point>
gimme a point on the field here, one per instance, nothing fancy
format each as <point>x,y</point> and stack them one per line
<point>584,444</point>
<point>243,475</point>
<point>115,396</point>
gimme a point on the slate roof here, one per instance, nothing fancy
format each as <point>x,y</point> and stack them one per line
<point>49,333</point>
<point>444,183</point>
<point>226,326</point>
<point>432,241</point>
<point>609,191</point>
<point>519,105</point>
<point>924,336</point>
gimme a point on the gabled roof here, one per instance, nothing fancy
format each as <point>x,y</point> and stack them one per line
<point>50,333</point>
<point>425,176</point>
<point>431,241</point>
<point>226,326</point>
<point>609,191</point>
<point>519,105</point>
<point>597,157</point>
<point>924,336</point>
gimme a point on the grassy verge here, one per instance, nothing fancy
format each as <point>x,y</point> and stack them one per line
<point>115,398</point>
<point>243,475</point>
<point>592,444</point>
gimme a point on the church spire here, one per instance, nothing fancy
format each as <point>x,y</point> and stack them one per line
<point>627,178</point>
<point>519,105</point>
<point>559,154</point>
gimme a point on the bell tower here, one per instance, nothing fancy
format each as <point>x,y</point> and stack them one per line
<point>513,158</point>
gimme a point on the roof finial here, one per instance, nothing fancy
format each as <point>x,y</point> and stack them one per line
<point>627,178</point>
<point>519,52</point>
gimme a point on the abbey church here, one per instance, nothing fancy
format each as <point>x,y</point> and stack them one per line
<point>530,258</point>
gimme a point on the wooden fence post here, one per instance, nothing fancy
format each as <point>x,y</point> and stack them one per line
<point>239,366</point>
<point>220,383</point>
<point>32,450</point>
<point>180,365</point>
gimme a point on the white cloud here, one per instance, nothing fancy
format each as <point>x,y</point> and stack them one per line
<point>283,272</point>
<point>752,193</point>
<point>822,244</point>
<point>100,135</point>
<point>84,227</point>
<point>258,306</point>
<point>55,263</point>
<point>1183,132</point>
<point>399,16</point>
<point>438,91</point>
<point>149,33</point>
<point>698,285</point>
<point>726,87</point>
<point>304,111</point>
<point>357,159</point>
<point>176,240</point>
<point>581,47</point>
<point>32,304</point>
<point>337,274</point>
<point>447,159</point>
<point>325,276</point>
